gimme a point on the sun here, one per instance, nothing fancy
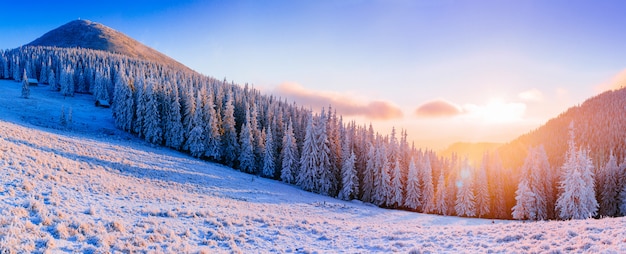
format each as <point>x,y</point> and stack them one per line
<point>497,111</point>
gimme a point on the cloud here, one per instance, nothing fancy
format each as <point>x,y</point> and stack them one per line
<point>438,108</point>
<point>531,95</point>
<point>618,81</point>
<point>344,104</point>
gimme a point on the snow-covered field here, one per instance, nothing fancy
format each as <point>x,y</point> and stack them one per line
<point>88,187</point>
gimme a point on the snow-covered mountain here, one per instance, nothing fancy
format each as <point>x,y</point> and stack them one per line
<point>91,35</point>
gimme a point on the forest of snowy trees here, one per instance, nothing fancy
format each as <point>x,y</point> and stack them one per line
<point>317,150</point>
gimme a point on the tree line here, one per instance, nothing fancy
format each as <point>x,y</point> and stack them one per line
<point>270,137</point>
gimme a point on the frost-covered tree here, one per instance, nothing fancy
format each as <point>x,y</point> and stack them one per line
<point>413,192</point>
<point>308,173</point>
<point>269,166</point>
<point>368,175</point>
<point>123,104</point>
<point>483,199</point>
<point>195,140</point>
<point>499,198</point>
<point>152,130</point>
<point>441,195</point>
<point>465,201</point>
<point>609,189</point>
<point>325,180</point>
<point>525,202</point>
<point>577,199</point>
<point>174,137</point>
<point>428,190</point>
<point>210,123</point>
<point>289,156</point>
<point>622,198</point>
<point>536,176</point>
<point>52,81</point>
<point>395,190</point>
<point>349,179</point>
<point>230,147</point>
<point>67,81</point>
<point>25,86</point>
<point>246,157</point>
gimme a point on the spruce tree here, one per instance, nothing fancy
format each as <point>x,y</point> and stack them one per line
<point>246,157</point>
<point>308,173</point>
<point>441,195</point>
<point>428,190</point>
<point>413,192</point>
<point>577,198</point>
<point>483,199</point>
<point>25,86</point>
<point>269,166</point>
<point>229,143</point>
<point>525,202</point>
<point>289,156</point>
<point>395,194</point>
<point>465,201</point>
<point>609,189</point>
<point>349,179</point>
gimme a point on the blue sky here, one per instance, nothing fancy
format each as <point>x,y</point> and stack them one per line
<point>474,70</point>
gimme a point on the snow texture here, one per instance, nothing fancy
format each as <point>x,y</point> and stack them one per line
<point>89,187</point>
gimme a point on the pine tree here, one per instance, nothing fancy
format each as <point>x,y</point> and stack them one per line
<point>25,86</point>
<point>524,207</point>
<point>428,190</point>
<point>246,141</point>
<point>441,195</point>
<point>269,167</point>
<point>483,204</point>
<point>622,198</point>
<point>395,194</point>
<point>229,143</point>
<point>368,175</point>
<point>67,81</point>
<point>413,192</point>
<point>195,140</point>
<point>175,136</point>
<point>54,86</point>
<point>499,199</point>
<point>289,156</point>
<point>123,104</point>
<point>609,189</point>
<point>308,172</point>
<point>577,199</point>
<point>152,130</point>
<point>325,180</point>
<point>211,131</point>
<point>349,179</point>
<point>465,202</point>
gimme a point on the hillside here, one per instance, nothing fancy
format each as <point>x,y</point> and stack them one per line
<point>599,125</point>
<point>86,187</point>
<point>92,35</point>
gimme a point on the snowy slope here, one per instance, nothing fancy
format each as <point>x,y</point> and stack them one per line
<point>88,187</point>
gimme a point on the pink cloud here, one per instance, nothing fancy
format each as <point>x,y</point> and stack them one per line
<point>344,104</point>
<point>438,108</point>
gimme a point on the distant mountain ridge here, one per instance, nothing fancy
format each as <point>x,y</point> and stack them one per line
<point>473,151</point>
<point>600,125</point>
<point>92,35</point>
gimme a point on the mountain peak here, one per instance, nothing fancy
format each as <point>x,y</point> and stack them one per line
<point>92,35</point>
